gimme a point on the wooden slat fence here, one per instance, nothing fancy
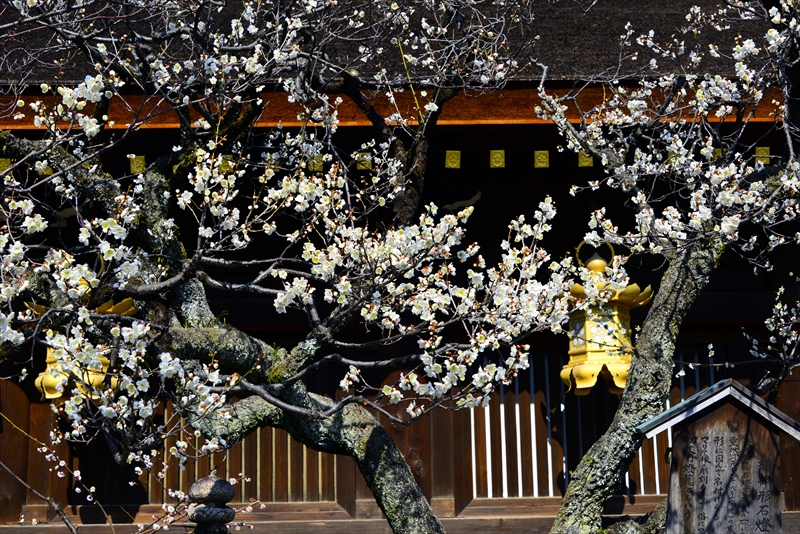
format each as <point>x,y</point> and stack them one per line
<point>523,445</point>
<point>535,432</point>
<point>517,453</point>
<point>268,466</point>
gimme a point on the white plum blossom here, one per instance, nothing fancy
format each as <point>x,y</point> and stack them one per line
<point>169,366</point>
<point>726,198</point>
<point>108,268</point>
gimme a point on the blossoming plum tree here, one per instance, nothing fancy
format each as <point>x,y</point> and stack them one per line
<point>312,225</point>
<point>119,292</point>
<point>675,137</point>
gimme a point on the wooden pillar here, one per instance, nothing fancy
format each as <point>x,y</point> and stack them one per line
<point>346,472</point>
<point>14,405</point>
<point>43,474</point>
<point>442,455</point>
<point>462,460</point>
<point>788,401</point>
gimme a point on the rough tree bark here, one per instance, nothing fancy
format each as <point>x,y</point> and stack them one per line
<point>603,468</point>
<point>352,431</point>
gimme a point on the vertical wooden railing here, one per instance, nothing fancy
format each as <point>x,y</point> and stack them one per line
<point>534,432</point>
<point>522,445</point>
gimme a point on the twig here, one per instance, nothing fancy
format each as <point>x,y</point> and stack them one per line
<point>49,500</point>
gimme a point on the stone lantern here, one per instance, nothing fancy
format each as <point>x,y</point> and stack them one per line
<point>208,497</point>
<point>600,337</point>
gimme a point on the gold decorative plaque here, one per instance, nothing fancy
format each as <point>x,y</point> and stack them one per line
<point>137,164</point>
<point>226,165</point>
<point>363,161</point>
<point>762,155</point>
<point>4,163</point>
<point>452,159</point>
<point>315,164</point>
<point>497,159</point>
<point>541,159</point>
<point>585,160</point>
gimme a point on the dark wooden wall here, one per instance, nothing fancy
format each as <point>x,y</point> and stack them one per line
<point>511,458</point>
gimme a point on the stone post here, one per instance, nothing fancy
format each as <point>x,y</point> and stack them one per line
<point>207,509</point>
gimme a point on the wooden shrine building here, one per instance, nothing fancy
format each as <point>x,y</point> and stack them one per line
<point>503,468</point>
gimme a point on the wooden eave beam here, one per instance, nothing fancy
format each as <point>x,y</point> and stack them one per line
<point>511,105</point>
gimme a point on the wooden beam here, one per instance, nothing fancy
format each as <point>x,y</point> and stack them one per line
<point>511,105</point>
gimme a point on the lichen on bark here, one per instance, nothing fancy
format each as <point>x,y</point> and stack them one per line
<point>603,468</point>
<point>352,431</point>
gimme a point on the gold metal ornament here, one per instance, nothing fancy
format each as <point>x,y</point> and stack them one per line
<point>226,165</point>
<point>762,155</point>
<point>52,380</point>
<point>137,164</point>
<point>315,164</point>
<point>541,159</point>
<point>600,337</point>
<point>452,159</point>
<point>497,159</point>
<point>363,161</point>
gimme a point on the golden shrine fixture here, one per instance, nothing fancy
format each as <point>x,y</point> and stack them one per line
<point>600,337</point>
<point>50,381</point>
<point>52,377</point>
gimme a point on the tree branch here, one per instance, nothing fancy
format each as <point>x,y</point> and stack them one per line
<point>49,500</point>
<point>351,431</point>
<point>604,466</point>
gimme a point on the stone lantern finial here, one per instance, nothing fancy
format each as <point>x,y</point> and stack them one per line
<point>208,497</point>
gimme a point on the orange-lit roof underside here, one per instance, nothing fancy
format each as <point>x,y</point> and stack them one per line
<point>508,106</point>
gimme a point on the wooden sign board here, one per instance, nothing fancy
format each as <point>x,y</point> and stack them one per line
<point>724,476</point>
<point>724,473</point>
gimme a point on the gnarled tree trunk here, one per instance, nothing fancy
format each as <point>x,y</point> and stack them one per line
<point>352,431</point>
<point>602,469</point>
